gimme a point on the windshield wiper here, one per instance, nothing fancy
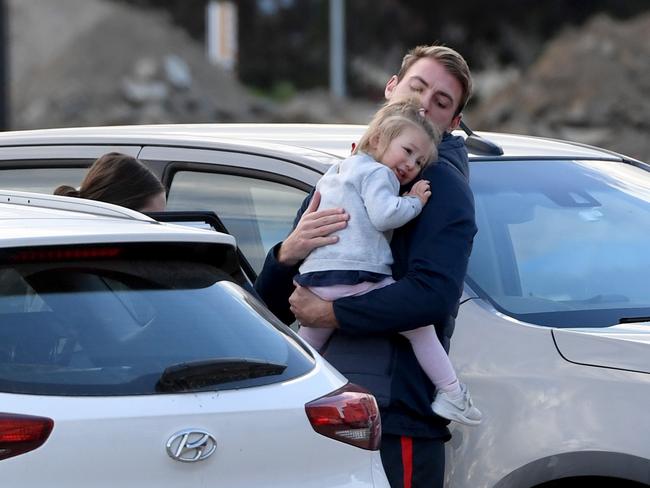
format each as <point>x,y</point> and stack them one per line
<point>201,374</point>
<point>633,320</point>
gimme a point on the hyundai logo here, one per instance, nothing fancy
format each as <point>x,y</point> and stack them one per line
<point>191,445</point>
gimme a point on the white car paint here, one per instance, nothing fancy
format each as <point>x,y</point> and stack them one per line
<point>263,436</point>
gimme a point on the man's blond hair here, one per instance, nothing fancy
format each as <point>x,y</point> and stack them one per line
<point>452,61</point>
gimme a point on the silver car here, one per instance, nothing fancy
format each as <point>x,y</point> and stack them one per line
<point>553,332</point>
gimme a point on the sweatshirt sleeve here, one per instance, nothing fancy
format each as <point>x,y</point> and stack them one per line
<point>386,209</point>
<point>438,249</point>
<point>274,285</point>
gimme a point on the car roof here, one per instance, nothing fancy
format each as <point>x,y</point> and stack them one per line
<point>324,143</point>
<point>530,147</point>
<point>33,219</point>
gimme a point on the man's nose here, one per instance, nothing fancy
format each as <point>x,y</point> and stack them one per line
<point>425,101</point>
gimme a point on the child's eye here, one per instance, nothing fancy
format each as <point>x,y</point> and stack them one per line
<point>408,150</point>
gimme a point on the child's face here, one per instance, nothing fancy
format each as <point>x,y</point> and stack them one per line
<point>407,153</point>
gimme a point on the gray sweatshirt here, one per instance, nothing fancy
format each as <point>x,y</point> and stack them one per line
<point>369,192</point>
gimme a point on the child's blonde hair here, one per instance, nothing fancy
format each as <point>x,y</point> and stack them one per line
<point>389,122</point>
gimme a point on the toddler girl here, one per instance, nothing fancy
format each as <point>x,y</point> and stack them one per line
<point>397,145</point>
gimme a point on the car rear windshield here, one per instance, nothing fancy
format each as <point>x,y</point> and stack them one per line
<point>563,243</point>
<point>138,324</point>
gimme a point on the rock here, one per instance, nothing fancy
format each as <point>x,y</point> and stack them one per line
<point>115,64</point>
<point>177,72</point>
<point>590,84</point>
<point>141,92</point>
<point>145,69</point>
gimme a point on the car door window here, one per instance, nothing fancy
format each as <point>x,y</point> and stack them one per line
<point>40,168</point>
<point>41,180</point>
<point>259,213</point>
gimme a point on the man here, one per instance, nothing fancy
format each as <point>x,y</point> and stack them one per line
<point>430,260</point>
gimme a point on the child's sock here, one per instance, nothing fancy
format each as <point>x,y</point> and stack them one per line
<point>452,389</point>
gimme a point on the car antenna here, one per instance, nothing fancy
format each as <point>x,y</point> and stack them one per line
<point>478,144</point>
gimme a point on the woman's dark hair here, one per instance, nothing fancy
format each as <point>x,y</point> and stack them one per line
<point>119,179</point>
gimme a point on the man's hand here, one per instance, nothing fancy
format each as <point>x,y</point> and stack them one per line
<point>422,190</point>
<point>312,311</point>
<point>313,230</point>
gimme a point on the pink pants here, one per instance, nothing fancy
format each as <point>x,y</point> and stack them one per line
<point>427,348</point>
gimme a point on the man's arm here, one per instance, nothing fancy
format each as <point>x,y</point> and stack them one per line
<point>311,229</point>
<point>439,245</point>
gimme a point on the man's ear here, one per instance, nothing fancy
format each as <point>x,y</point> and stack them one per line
<point>390,86</point>
<point>455,122</point>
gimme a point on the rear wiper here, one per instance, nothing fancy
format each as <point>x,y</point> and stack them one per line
<point>196,375</point>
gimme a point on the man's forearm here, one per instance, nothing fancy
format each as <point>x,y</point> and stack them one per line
<point>402,306</point>
<point>274,285</point>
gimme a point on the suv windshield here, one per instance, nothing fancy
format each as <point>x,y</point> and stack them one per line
<point>128,326</point>
<point>563,243</point>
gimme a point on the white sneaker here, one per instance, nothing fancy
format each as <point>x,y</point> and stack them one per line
<point>460,409</point>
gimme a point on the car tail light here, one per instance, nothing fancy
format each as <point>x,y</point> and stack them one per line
<point>64,254</point>
<point>22,433</point>
<point>349,414</point>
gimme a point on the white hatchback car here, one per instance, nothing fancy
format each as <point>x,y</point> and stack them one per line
<point>553,330</point>
<point>131,356</point>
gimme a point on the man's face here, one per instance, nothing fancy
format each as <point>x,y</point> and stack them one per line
<point>438,91</point>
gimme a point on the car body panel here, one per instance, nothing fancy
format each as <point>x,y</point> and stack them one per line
<point>527,147</point>
<point>55,150</point>
<point>621,346</point>
<point>36,220</point>
<point>333,139</point>
<point>557,403</point>
<point>122,440</point>
<point>263,435</point>
<point>236,160</point>
<point>536,405</point>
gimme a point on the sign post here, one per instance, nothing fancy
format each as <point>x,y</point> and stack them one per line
<point>221,33</point>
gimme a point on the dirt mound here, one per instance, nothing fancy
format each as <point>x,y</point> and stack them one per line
<point>114,64</point>
<point>96,62</point>
<point>591,85</point>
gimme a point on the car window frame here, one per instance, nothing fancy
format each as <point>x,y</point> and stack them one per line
<point>59,156</point>
<point>268,168</point>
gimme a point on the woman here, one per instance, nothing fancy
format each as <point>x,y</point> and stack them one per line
<point>121,180</point>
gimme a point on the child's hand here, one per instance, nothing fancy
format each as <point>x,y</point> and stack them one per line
<point>421,190</point>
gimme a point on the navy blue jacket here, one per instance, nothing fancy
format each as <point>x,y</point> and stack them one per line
<point>430,260</point>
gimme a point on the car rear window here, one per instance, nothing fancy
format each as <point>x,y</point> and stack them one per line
<point>127,324</point>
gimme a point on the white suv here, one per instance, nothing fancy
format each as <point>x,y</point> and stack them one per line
<point>130,355</point>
